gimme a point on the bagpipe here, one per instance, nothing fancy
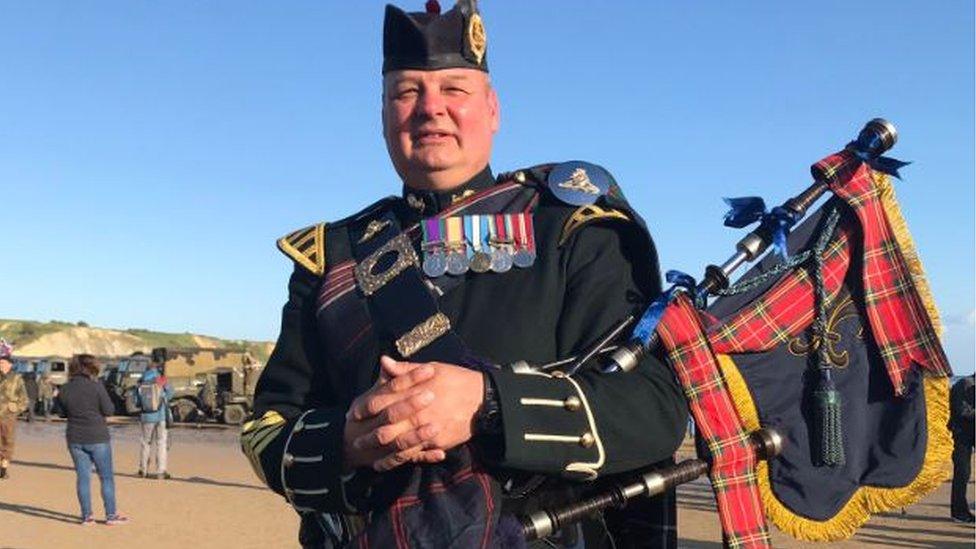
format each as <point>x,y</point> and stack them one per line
<point>817,383</point>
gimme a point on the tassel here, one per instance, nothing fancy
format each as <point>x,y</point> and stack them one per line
<point>827,421</point>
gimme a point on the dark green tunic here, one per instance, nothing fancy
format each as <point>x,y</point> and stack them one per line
<point>593,267</point>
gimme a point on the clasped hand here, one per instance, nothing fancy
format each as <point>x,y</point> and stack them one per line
<point>413,413</point>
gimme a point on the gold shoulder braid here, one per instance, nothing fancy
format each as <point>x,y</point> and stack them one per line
<point>306,247</point>
<point>587,214</point>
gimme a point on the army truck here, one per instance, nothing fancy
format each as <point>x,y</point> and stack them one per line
<point>207,383</point>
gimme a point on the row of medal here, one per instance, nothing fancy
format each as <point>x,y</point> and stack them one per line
<point>480,242</point>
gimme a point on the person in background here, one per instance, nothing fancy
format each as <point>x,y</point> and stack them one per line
<point>45,394</point>
<point>30,383</point>
<point>961,414</point>
<point>13,401</point>
<point>85,403</point>
<point>154,393</point>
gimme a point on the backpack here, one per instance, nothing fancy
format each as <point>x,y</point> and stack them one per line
<point>150,396</point>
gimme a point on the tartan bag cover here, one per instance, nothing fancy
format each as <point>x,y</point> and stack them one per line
<point>902,327</point>
<point>733,459</point>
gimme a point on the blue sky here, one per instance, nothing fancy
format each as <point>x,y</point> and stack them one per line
<point>151,152</point>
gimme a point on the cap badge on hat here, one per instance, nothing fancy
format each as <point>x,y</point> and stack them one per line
<point>477,41</point>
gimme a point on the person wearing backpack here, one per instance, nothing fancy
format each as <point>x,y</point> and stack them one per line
<point>153,394</point>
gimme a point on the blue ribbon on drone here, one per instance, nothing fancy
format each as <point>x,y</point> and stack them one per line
<point>747,210</point>
<point>680,282</point>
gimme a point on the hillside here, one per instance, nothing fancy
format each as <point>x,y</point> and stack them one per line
<point>31,338</point>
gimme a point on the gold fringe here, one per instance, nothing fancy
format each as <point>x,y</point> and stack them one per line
<point>886,191</point>
<point>867,499</point>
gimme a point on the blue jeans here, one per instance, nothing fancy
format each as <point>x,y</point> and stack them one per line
<point>101,455</point>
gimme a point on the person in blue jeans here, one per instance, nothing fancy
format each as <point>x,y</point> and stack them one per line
<point>85,402</point>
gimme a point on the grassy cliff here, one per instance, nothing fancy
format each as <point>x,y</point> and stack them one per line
<point>32,338</point>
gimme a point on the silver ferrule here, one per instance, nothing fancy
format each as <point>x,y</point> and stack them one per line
<point>541,523</point>
<point>624,358</point>
<point>654,484</point>
<point>734,263</point>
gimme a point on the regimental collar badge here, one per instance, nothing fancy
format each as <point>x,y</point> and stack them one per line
<point>415,202</point>
<point>578,183</point>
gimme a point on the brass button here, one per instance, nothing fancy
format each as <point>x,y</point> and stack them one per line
<point>572,404</point>
<point>587,440</point>
<point>287,460</point>
<point>519,176</point>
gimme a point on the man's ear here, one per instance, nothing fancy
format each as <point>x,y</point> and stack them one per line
<point>383,115</point>
<point>494,109</point>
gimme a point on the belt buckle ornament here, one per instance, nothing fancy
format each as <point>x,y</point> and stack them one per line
<point>423,334</point>
<point>369,281</point>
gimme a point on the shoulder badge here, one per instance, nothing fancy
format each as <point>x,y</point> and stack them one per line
<point>578,183</point>
<point>306,247</point>
<point>585,215</point>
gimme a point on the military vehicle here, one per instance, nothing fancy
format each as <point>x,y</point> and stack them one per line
<point>207,383</point>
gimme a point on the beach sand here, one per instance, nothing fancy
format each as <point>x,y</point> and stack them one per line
<point>215,501</point>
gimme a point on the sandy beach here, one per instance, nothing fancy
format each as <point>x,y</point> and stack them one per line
<point>215,501</point>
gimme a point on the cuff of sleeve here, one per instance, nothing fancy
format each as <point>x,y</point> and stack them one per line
<point>548,425</point>
<point>310,470</point>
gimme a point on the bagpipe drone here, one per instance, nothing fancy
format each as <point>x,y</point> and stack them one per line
<point>817,382</point>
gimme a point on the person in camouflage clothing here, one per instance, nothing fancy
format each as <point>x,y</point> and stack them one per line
<point>13,401</point>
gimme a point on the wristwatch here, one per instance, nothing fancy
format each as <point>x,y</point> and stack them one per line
<point>488,420</point>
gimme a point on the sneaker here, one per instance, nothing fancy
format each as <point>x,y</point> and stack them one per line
<point>162,476</point>
<point>968,518</point>
<point>4,473</point>
<point>88,521</point>
<point>141,474</point>
<point>116,520</point>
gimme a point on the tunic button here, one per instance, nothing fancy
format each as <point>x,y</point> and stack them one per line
<point>587,440</point>
<point>287,460</point>
<point>572,404</point>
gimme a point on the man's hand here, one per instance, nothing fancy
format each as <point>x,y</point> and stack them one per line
<point>383,429</point>
<point>457,395</point>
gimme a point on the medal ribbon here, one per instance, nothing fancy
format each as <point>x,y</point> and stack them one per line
<point>455,233</point>
<point>468,235</point>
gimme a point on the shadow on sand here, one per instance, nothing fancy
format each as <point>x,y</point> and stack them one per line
<point>39,512</point>
<point>192,480</point>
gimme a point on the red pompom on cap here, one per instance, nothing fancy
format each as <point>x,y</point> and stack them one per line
<point>433,6</point>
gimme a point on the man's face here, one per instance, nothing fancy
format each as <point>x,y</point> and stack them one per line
<point>5,365</point>
<point>439,125</point>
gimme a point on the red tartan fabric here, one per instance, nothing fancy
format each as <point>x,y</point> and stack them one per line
<point>786,309</point>
<point>733,467</point>
<point>902,328</point>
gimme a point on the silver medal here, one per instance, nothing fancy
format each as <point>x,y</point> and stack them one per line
<point>523,258</point>
<point>501,259</point>
<point>457,263</point>
<point>435,263</point>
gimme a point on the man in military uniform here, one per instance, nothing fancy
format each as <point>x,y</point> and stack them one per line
<point>403,404</point>
<point>13,401</point>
